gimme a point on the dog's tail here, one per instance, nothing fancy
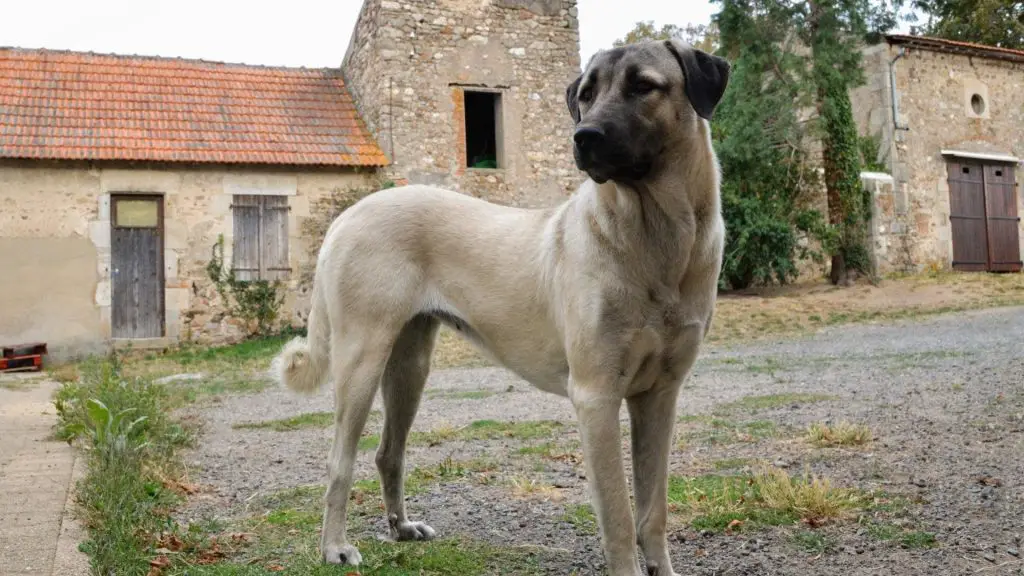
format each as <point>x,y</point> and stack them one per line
<point>303,364</point>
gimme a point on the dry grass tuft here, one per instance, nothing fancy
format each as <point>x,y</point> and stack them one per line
<point>842,434</point>
<point>523,487</point>
<point>812,498</point>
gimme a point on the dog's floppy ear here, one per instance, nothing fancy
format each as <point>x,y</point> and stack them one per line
<point>706,76</point>
<point>572,99</point>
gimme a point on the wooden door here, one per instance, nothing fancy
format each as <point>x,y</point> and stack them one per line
<point>137,266</point>
<point>967,216</point>
<point>1002,218</point>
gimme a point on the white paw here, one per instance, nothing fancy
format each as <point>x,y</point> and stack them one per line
<point>403,531</point>
<point>347,555</point>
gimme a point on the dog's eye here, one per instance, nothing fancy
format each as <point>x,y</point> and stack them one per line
<point>586,95</point>
<point>642,87</point>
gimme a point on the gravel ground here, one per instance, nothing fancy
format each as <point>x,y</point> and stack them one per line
<point>944,397</point>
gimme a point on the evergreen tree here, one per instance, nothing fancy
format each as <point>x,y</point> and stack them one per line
<point>993,22</point>
<point>832,31</point>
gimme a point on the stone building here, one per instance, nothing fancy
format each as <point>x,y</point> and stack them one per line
<point>118,174</point>
<point>949,118</point>
<point>470,94</point>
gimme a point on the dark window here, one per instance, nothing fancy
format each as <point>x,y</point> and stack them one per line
<point>483,129</point>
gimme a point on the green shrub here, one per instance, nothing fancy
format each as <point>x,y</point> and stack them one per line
<point>130,442</point>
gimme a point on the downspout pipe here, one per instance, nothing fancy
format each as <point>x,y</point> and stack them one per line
<point>892,88</point>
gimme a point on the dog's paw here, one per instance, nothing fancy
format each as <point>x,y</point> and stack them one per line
<point>346,554</point>
<point>402,531</point>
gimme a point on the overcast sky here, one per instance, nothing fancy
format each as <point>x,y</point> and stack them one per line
<point>310,33</point>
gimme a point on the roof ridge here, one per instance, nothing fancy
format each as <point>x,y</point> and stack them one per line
<point>959,43</point>
<point>182,59</point>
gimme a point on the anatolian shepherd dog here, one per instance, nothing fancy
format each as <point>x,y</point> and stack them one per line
<point>604,298</point>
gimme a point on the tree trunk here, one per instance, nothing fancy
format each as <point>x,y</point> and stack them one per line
<point>832,193</point>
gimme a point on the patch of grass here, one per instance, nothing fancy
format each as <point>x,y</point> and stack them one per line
<point>460,394</point>
<point>488,430</point>
<point>454,351</point>
<point>133,472</point>
<point>250,357</point>
<point>814,542</point>
<point>723,431</point>
<point>217,385</point>
<point>568,452</point>
<point>525,487</point>
<point>769,496</point>
<point>307,420</point>
<point>582,517</point>
<point>769,401</point>
<point>917,539</point>
<point>883,531</point>
<point>805,307</point>
<point>842,434</point>
<point>367,441</point>
<point>730,463</point>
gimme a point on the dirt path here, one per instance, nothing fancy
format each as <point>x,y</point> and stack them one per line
<point>944,398</point>
<point>37,534</point>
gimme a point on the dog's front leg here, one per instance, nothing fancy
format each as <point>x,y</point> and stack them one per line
<point>598,416</point>
<point>652,420</point>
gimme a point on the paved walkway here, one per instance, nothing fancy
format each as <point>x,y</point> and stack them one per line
<point>37,534</point>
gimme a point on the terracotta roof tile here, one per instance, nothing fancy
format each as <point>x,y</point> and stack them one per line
<point>83,106</point>
<point>955,46</point>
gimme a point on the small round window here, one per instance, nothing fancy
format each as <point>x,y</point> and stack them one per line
<point>978,104</point>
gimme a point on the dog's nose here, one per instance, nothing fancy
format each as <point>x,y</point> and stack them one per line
<point>588,139</point>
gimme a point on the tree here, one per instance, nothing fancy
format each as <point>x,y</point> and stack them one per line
<point>993,22</point>
<point>831,31</point>
<point>700,36</point>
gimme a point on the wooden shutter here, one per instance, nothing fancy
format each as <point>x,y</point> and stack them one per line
<point>260,250</point>
<point>245,251</point>
<point>274,244</point>
<point>1002,218</point>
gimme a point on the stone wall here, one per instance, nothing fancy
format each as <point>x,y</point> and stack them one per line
<point>933,97</point>
<point>55,243</point>
<point>410,61</point>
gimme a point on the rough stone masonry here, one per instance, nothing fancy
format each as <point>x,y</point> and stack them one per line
<point>410,64</point>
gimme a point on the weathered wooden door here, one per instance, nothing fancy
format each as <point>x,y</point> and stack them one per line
<point>137,267</point>
<point>983,216</point>
<point>1003,221</point>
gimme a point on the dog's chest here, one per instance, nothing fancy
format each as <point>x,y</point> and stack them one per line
<point>654,335</point>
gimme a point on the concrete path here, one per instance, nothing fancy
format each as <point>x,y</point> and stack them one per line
<point>37,533</point>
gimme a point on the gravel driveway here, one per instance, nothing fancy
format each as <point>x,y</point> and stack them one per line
<point>943,396</point>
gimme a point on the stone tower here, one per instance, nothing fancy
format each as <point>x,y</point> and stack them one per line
<point>470,94</point>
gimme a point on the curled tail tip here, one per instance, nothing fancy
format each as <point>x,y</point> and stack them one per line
<point>294,367</point>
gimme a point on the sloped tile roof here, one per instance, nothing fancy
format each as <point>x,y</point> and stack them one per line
<point>84,106</point>
<point>957,47</point>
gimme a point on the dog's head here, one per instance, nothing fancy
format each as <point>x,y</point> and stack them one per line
<point>634,104</point>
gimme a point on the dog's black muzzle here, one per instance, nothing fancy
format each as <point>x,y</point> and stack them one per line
<point>596,153</point>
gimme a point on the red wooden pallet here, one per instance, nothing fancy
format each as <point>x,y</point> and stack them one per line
<point>22,357</point>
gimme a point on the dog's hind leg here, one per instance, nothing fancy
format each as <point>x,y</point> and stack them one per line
<point>401,389</point>
<point>358,360</point>
<point>652,419</point>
